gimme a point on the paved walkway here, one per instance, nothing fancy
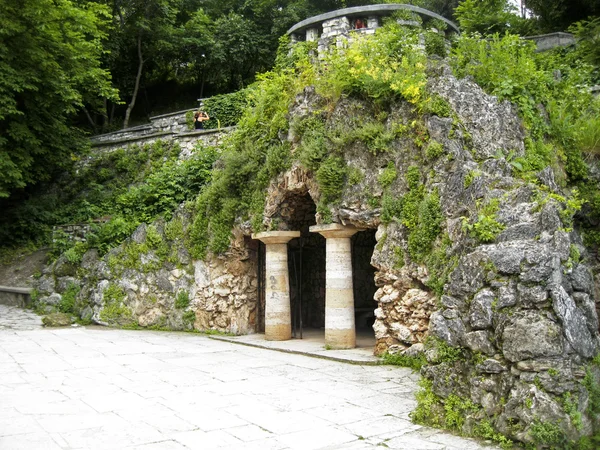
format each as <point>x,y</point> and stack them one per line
<point>98,388</point>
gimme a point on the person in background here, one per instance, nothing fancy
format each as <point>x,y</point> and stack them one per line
<point>199,118</point>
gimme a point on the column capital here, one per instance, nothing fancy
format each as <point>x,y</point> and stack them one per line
<point>276,237</point>
<point>334,230</point>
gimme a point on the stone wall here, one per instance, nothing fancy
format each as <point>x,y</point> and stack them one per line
<point>161,287</point>
<point>187,140</point>
<point>175,122</point>
<point>226,296</point>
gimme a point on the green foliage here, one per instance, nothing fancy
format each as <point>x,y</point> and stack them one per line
<point>398,359</point>
<point>225,110</point>
<point>510,69</point>
<point>183,300</point>
<point>593,388</point>
<point>313,145</point>
<point>67,301</point>
<point>484,429</point>
<point>434,150</point>
<point>372,133</point>
<point>130,186</point>
<point>427,229</point>
<point>391,207</point>
<point>355,176</point>
<point>174,229</point>
<point>189,317</point>
<point>115,312</point>
<point>588,37</point>
<point>570,407</point>
<point>153,237</point>
<point>74,255</point>
<point>486,228</point>
<point>435,44</point>
<point>440,264</point>
<point>548,434</point>
<point>445,352</point>
<point>382,67</point>
<point>470,177</point>
<point>112,233</point>
<point>388,176</point>
<point>331,176</point>
<point>490,16</point>
<point>427,411</point>
<point>50,67</point>
<point>413,178</point>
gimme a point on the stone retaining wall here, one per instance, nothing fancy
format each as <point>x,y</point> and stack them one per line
<point>187,140</point>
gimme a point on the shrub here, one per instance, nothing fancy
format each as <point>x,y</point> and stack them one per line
<point>182,300</point>
<point>388,176</point>
<point>67,301</point>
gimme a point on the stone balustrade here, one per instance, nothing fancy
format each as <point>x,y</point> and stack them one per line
<point>334,27</point>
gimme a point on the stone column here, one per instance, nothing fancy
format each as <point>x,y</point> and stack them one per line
<point>340,332</point>
<point>373,22</point>
<point>278,321</point>
<point>312,34</point>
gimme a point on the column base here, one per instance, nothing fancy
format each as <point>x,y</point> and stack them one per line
<point>340,339</point>
<point>278,332</point>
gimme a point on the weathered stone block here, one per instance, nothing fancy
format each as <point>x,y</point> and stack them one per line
<point>479,341</point>
<point>480,312</point>
<point>574,322</point>
<point>451,331</point>
<point>531,334</point>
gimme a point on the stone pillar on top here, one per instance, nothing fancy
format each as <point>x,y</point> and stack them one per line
<point>373,22</point>
<point>340,331</point>
<point>312,34</point>
<point>278,321</point>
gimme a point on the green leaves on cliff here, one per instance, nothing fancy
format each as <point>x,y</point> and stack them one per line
<point>418,211</point>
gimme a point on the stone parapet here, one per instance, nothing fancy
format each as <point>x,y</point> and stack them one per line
<point>549,41</point>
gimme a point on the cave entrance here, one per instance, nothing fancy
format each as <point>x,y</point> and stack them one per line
<point>306,264</point>
<point>363,282</point>
<point>317,282</point>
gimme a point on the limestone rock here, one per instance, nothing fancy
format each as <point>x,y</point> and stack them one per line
<point>581,279</point>
<point>479,341</point>
<point>451,331</point>
<point>574,322</point>
<point>530,334</point>
<point>57,320</point>
<point>480,312</point>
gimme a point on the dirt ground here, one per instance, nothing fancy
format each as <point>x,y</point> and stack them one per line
<point>21,270</point>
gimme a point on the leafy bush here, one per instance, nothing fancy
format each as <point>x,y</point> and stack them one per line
<point>398,359</point>
<point>227,109</point>
<point>183,300</point>
<point>388,176</point>
<point>67,301</point>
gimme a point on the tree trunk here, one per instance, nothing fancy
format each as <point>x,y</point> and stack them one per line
<point>90,120</point>
<point>137,82</point>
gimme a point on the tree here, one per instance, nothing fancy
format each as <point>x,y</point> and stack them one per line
<point>147,27</point>
<point>50,52</point>
<point>490,16</point>
<point>557,15</point>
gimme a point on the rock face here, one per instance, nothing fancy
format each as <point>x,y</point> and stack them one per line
<point>161,287</point>
<point>508,298</point>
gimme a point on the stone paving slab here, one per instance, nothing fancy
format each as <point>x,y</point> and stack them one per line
<point>98,388</point>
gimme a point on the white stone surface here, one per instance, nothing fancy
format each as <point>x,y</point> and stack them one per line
<point>98,388</point>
